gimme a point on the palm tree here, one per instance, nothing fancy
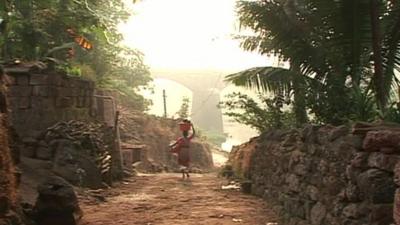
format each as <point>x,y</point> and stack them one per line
<point>279,81</point>
<point>328,41</point>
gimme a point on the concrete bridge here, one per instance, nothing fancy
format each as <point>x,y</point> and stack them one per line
<point>206,88</point>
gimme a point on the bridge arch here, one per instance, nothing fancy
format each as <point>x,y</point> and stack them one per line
<point>205,98</point>
<point>175,92</point>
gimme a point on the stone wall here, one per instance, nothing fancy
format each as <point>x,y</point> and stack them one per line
<point>41,99</point>
<point>8,184</point>
<point>324,175</point>
<point>8,181</point>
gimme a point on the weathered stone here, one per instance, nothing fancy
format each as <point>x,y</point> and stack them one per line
<point>350,187</point>
<point>30,141</point>
<point>377,185</point>
<point>40,103</point>
<point>297,163</point>
<point>22,80</point>
<point>57,203</point>
<point>294,207</point>
<point>38,79</point>
<point>64,102</point>
<point>396,176</point>
<point>355,211</point>
<point>300,169</point>
<point>23,102</point>
<point>360,160</point>
<point>332,220</point>
<point>20,91</point>
<point>312,192</point>
<point>74,92</point>
<point>301,222</point>
<point>323,166</point>
<point>383,161</point>
<point>318,213</point>
<point>80,102</point>
<point>352,173</point>
<point>375,140</point>
<point>333,185</point>
<point>387,150</point>
<point>290,140</point>
<point>5,204</point>
<point>381,214</point>
<point>65,92</point>
<point>293,182</point>
<point>355,141</point>
<point>338,132</point>
<point>44,153</point>
<point>338,207</point>
<point>308,134</point>
<point>352,193</point>
<point>396,207</point>
<point>75,167</point>
<point>40,91</point>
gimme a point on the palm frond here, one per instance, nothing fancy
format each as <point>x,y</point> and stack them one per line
<point>274,79</point>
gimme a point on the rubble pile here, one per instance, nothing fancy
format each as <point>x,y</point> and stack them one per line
<point>156,134</point>
<point>80,152</point>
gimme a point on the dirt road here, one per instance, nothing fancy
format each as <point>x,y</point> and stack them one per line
<point>164,199</point>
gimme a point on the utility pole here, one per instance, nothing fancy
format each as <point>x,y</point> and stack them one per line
<point>165,103</point>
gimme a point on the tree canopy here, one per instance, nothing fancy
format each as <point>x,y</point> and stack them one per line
<point>81,36</point>
<point>341,53</point>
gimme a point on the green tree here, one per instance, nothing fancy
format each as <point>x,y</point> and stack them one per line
<point>183,112</point>
<point>279,81</point>
<point>331,43</point>
<point>40,30</point>
<point>260,116</point>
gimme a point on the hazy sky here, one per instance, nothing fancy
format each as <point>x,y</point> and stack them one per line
<point>188,34</point>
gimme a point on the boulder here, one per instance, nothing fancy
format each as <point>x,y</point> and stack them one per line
<point>377,185</point>
<point>375,140</point>
<point>56,203</point>
<point>76,167</point>
<point>201,155</point>
<point>383,161</point>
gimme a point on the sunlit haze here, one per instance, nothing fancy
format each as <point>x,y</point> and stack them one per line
<point>190,37</point>
<point>188,34</point>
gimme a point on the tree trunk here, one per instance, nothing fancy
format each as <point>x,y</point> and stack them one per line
<point>299,96</point>
<point>380,91</point>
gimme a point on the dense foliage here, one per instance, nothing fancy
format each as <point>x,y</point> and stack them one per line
<point>266,114</point>
<point>343,56</point>
<point>47,30</point>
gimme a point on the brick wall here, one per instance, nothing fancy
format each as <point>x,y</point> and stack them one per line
<point>39,100</point>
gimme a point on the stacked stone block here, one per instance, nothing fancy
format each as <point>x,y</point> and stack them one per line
<point>324,175</point>
<point>39,100</point>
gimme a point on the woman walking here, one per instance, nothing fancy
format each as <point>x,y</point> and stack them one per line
<point>182,147</point>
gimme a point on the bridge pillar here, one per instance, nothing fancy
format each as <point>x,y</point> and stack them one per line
<point>205,112</point>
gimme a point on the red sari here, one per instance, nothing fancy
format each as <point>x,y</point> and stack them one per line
<point>182,148</point>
